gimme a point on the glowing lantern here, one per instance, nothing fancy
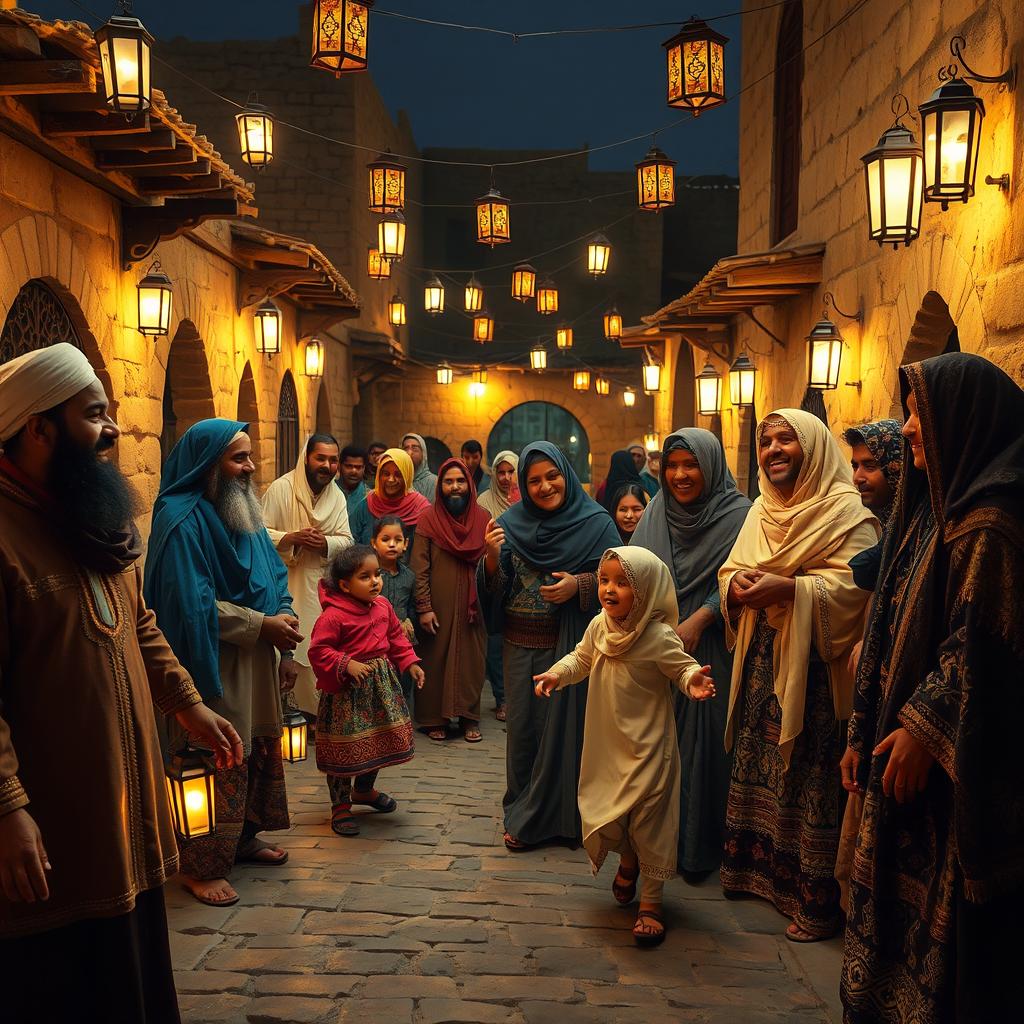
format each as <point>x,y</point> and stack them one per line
<point>340,29</point>
<point>125,48</point>
<point>696,67</point>
<point>893,174</point>
<point>483,327</point>
<point>709,391</point>
<point>387,185</point>
<point>478,385</point>
<point>433,296</point>
<point>474,296</point>
<point>391,236</point>
<point>742,374</point>
<point>524,282</point>
<point>581,380</point>
<point>267,327</point>
<point>613,324</point>
<point>652,441</point>
<point>538,358</point>
<point>444,374</point>
<point>378,268</point>
<point>293,736</point>
<point>824,353</point>
<point>155,294</point>
<point>629,398</point>
<point>951,127</point>
<point>189,777</point>
<point>655,181</point>
<point>313,358</point>
<point>603,386</point>
<point>396,310</point>
<point>547,297</point>
<point>652,378</point>
<point>599,252</point>
<point>492,227</point>
<point>563,336</point>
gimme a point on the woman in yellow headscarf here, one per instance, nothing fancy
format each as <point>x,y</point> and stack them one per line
<point>392,495</point>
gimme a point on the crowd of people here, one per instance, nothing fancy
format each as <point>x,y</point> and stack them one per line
<point>690,680</point>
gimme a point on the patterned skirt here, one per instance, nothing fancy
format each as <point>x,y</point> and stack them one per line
<point>364,727</point>
<point>782,826</point>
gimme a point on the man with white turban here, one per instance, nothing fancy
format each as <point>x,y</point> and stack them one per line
<point>86,840</point>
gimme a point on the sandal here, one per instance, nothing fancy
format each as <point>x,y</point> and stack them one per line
<point>250,854</point>
<point>380,802</point>
<point>343,822</point>
<point>647,940</point>
<point>624,891</point>
<point>797,934</point>
<point>513,844</point>
<point>472,735</point>
<point>227,901</point>
<point>437,735</point>
<point>501,713</point>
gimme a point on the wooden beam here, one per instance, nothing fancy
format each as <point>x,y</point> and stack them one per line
<point>797,271</point>
<point>255,285</point>
<point>144,227</point>
<point>19,42</point>
<point>195,169</point>
<point>276,254</point>
<point>134,160</point>
<point>45,77</point>
<point>168,186</point>
<point>72,126</point>
<point>157,140</point>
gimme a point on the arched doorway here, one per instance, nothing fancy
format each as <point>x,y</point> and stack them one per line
<point>249,412</point>
<point>323,411</point>
<point>287,426</point>
<point>188,394</point>
<point>932,333</point>
<point>542,421</point>
<point>437,452</point>
<point>684,397</point>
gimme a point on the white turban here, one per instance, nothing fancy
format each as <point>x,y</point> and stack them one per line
<point>38,381</point>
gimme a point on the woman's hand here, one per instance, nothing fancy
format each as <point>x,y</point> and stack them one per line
<point>418,677</point>
<point>849,766</point>
<point>281,630</point>
<point>545,684</point>
<point>906,774</point>
<point>701,686</point>
<point>213,732</point>
<point>564,590</point>
<point>358,671</point>
<point>769,589</point>
<point>691,629</point>
<point>741,582</point>
<point>429,623</point>
<point>494,538</point>
<point>23,860</point>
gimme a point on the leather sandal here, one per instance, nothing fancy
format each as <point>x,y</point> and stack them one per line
<point>624,891</point>
<point>648,940</point>
<point>343,822</point>
<point>380,802</point>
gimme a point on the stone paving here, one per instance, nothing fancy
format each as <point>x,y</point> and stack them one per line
<point>427,918</point>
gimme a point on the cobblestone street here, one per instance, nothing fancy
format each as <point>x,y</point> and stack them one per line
<point>426,917</point>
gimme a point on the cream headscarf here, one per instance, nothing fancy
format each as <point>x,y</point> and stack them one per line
<point>38,381</point>
<point>811,537</point>
<point>492,500</point>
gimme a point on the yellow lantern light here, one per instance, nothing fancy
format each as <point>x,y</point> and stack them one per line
<point>492,221</point>
<point>474,296</point>
<point>267,327</point>
<point>547,297</point>
<point>387,184</point>
<point>563,336</point>
<point>538,358</point>
<point>189,777</point>
<point>951,122</point>
<point>313,359</point>
<point>894,178</point>
<point>396,311</point>
<point>391,236</point>
<point>444,374</point>
<point>483,327</point>
<point>155,295</point>
<point>378,268</point>
<point>696,67</point>
<point>480,376</point>
<point>629,398</point>
<point>824,354</point>
<point>433,296</point>
<point>256,135</point>
<point>613,324</point>
<point>655,181</point>
<point>742,375</point>
<point>125,48</point>
<point>524,282</point>
<point>293,736</point>
<point>603,386</point>
<point>478,385</point>
<point>652,378</point>
<point>599,253</point>
<point>709,391</point>
<point>652,441</point>
<point>581,380</point>
<point>340,31</point>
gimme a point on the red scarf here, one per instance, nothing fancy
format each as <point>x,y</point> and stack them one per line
<point>410,507</point>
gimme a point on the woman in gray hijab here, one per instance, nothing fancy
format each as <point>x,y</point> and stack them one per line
<point>691,524</point>
<point>423,482</point>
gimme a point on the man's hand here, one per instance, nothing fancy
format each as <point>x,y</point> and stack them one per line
<point>545,684</point>
<point>213,732</point>
<point>701,686</point>
<point>564,590</point>
<point>767,590</point>
<point>906,774</point>
<point>691,629</point>
<point>281,630</point>
<point>358,671</point>
<point>417,675</point>
<point>23,860</point>
<point>429,623</point>
<point>308,537</point>
<point>494,538</point>
<point>849,766</point>
<point>287,674</point>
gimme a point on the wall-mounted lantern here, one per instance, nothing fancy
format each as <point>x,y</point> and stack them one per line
<point>742,375</point>
<point>155,295</point>
<point>894,180</point>
<point>267,328</point>
<point>709,391</point>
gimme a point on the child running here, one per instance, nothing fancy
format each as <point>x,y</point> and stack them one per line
<point>629,779</point>
<point>389,541</point>
<point>363,721</point>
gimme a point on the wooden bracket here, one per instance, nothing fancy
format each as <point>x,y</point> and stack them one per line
<point>84,125</point>
<point>313,322</point>
<point>256,285</point>
<point>144,227</point>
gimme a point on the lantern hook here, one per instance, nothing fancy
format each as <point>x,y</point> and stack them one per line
<point>829,299</point>
<point>126,7</point>
<point>1002,181</point>
<point>774,337</point>
<point>1008,79</point>
<point>900,107</point>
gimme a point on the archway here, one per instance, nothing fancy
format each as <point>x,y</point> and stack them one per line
<point>437,452</point>
<point>684,398</point>
<point>323,411</point>
<point>287,426</point>
<point>542,421</point>
<point>188,394</point>
<point>249,412</point>
<point>932,333</point>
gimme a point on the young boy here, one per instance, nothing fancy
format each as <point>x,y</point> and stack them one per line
<point>389,541</point>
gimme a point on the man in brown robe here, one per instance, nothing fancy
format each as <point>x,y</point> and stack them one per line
<point>448,546</point>
<point>86,840</point>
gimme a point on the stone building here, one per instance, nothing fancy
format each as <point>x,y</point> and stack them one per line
<point>803,227</point>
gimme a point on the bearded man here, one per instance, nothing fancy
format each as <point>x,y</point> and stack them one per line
<point>307,519</point>
<point>220,593</point>
<point>86,840</point>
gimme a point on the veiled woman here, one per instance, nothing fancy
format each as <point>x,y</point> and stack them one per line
<point>692,524</point>
<point>538,587</point>
<point>937,889</point>
<point>392,495</point>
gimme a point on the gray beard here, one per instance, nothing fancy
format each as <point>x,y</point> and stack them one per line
<point>239,509</point>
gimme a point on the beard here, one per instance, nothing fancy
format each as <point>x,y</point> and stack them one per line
<point>456,504</point>
<point>236,504</point>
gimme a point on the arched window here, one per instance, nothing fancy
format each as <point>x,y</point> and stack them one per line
<point>542,421</point>
<point>789,72</point>
<point>169,429</point>
<point>437,452</point>
<point>287,426</point>
<point>36,319</point>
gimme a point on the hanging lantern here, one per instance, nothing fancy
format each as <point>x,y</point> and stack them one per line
<point>155,295</point>
<point>538,358</point>
<point>652,378</point>
<point>581,380</point>
<point>480,376</point>
<point>492,226</point>
<point>951,122</point>
<point>444,374</point>
<point>125,48</point>
<point>629,398</point>
<point>652,441</point>
<point>396,310</point>
<point>824,353</point>
<point>547,297</point>
<point>256,135</point>
<point>391,236</point>
<point>378,268</point>
<point>293,736</point>
<point>267,327</point>
<point>741,382</point>
<point>655,181</point>
<point>433,296</point>
<point>313,359</point>
<point>474,296</point>
<point>696,67</point>
<point>603,386</point>
<point>893,173</point>
<point>524,282</point>
<point>483,327</point>
<point>599,252</point>
<point>613,324</point>
<point>387,184</point>
<point>340,29</point>
<point>478,385</point>
<point>709,391</point>
<point>189,777</point>
<point>563,336</point>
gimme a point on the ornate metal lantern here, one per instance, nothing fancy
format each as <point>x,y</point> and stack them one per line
<point>293,736</point>
<point>155,294</point>
<point>378,268</point>
<point>256,135</point>
<point>652,378</point>
<point>267,328</point>
<point>603,386</point>
<point>581,380</point>
<point>563,336</point>
<point>433,296</point>
<point>599,253</point>
<point>742,375</point>
<point>396,310</point>
<point>492,223</point>
<point>538,358</point>
<point>613,324</point>
<point>391,236</point>
<point>474,296</point>
<point>340,32</point>
<point>894,179</point>
<point>655,181</point>
<point>444,374</point>
<point>189,777</point>
<point>387,184</point>
<point>951,122</point>
<point>824,354</point>
<point>709,391</point>
<point>125,49</point>
<point>696,67</point>
<point>547,297</point>
<point>524,282</point>
<point>483,327</point>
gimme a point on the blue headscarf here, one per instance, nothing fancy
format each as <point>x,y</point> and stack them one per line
<point>571,538</point>
<point>194,561</point>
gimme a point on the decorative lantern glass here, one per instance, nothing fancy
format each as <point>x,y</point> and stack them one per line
<point>387,184</point>
<point>524,282</point>
<point>293,736</point>
<point>613,324</point>
<point>156,294</point>
<point>563,336</point>
<point>655,181</point>
<point>696,67</point>
<point>340,30</point>
<point>396,311</point>
<point>581,380</point>
<point>433,296</point>
<point>894,179</point>
<point>474,296</point>
<point>652,441</point>
<point>709,391</point>
<point>256,135</point>
<point>378,268</point>
<point>599,253</point>
<point>267,327</point>
<point>603,386</point>
<point>538,358</point>
<point>391,236</point>
<point>313,358</point>
<point>951,128</point>
<point>741,382</point>
<point>547,297</point>
<point>125,48</point>
<point>629,398</point>
<point>652,378</point>
<point>189,777</point>
<point>480,376</point>
<point>444,374</point>
<point>824,353</point>
<point>492,226</point>
<point>483,327</point>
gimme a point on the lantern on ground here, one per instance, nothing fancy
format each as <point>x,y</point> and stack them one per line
<point>824,353</point>
<point>538,358</point>
<point>387,184</point>
<point>581,380</point>
<point>340,30</point>
<point>563,336</point>
<point>378,268</point>
<point>894,179</point>
<point>267,327</point>
<point>547,297</point>
<point>391,236</point>
<point>741,382</point>
<point>396,310</point>
<point>483,327</point>
<point>444,374</point>
<point>125,48</point>
<point>709,391</point>
<point>652,378</point>
<point>492,226</point>
<point>951,122</point>
<point>433,296</point>
<point>655,181</point>
<point>613,324</point>
<point>474,296</point>
<point>696,67</point>
<point>603,386</point>
<point>256,135</point>
<point>156,294</point>
<point>293,736</point>
<point>524,282</point>
<point>599,253</point>
<point>652,441</point>
<point>189,777</point>
<point>629,398</point>
<point>313,359</point>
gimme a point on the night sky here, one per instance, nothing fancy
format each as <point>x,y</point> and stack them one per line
<point>472,89</point>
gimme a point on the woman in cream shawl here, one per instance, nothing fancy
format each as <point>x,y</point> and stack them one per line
<point>495,500</point>
<point>629,778</point>
<point>792,613</point>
